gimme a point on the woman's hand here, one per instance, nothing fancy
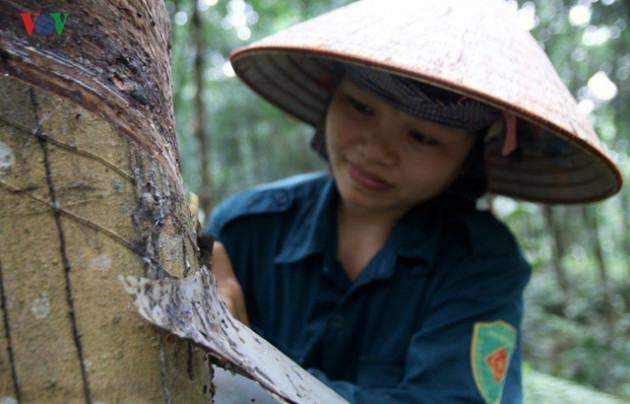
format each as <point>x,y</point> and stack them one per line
<point>228,287</point>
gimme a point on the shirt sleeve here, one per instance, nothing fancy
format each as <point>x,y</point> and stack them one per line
<point>468,348</point>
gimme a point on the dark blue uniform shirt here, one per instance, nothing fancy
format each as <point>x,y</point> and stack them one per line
<point>433,318</point>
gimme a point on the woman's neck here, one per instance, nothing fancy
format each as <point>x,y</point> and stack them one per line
<point>360,235</point>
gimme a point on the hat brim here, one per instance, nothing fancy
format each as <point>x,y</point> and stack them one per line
<point>559,158</point>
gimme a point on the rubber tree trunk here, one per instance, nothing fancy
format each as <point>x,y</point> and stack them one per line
<point>89,189</point>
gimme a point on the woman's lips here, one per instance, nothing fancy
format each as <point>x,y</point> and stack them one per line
<point>366,179</point>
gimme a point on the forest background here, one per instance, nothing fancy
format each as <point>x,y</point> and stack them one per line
<point>577,324</point>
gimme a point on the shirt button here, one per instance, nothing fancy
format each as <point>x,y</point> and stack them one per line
<point>338,321</point>
<point>281,197</point>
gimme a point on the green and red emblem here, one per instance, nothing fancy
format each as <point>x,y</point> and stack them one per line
<point>490,353</point>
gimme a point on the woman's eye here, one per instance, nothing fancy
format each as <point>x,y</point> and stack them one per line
<point>420,138</point>
<point>359,106</point>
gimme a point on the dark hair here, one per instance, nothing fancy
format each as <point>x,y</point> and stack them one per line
<point>473,183</point>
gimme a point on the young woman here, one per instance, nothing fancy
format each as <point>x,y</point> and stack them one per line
<point>381,277</point>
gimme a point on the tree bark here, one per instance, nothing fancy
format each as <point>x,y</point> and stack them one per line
<point>89,189</point>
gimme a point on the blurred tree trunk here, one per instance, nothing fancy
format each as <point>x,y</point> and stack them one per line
<point>89,189</point>
<point>558,251</point>
<point>625,226</point>
<point>201,133</point>
<point>592,231</point>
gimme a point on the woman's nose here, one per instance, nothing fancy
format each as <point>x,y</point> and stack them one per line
<point>378,147</point>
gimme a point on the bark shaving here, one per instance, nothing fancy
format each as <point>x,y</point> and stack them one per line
<point>191,308</point>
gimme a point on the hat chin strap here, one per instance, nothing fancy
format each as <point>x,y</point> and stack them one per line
<point>509,138</point>
<point>504,128</point>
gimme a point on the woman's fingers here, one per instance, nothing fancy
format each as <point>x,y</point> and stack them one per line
<point>221,266</point>
<point>194,209</point>
<point>228,287</point>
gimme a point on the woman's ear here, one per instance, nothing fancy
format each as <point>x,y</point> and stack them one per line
<point>472,180</point>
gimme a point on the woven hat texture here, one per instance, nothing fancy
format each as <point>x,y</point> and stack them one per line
<point>473,48</point>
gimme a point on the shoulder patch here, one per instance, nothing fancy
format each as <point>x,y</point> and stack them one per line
<point>491,350</point>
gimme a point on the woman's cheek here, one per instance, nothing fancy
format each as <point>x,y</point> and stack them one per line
<point>343,136</point>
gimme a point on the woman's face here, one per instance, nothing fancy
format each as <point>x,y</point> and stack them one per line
<point>385,160</point>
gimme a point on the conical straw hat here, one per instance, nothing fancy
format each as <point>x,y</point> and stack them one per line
<point>471,47</point>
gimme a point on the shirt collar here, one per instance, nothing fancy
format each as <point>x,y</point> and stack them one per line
<point>420,233</point>
<point>416,236</point>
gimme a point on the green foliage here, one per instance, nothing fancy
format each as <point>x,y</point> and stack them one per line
<point>581,335</point>
<point>584,340</point>
<point>587,342</point>
<point>542,388</point>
